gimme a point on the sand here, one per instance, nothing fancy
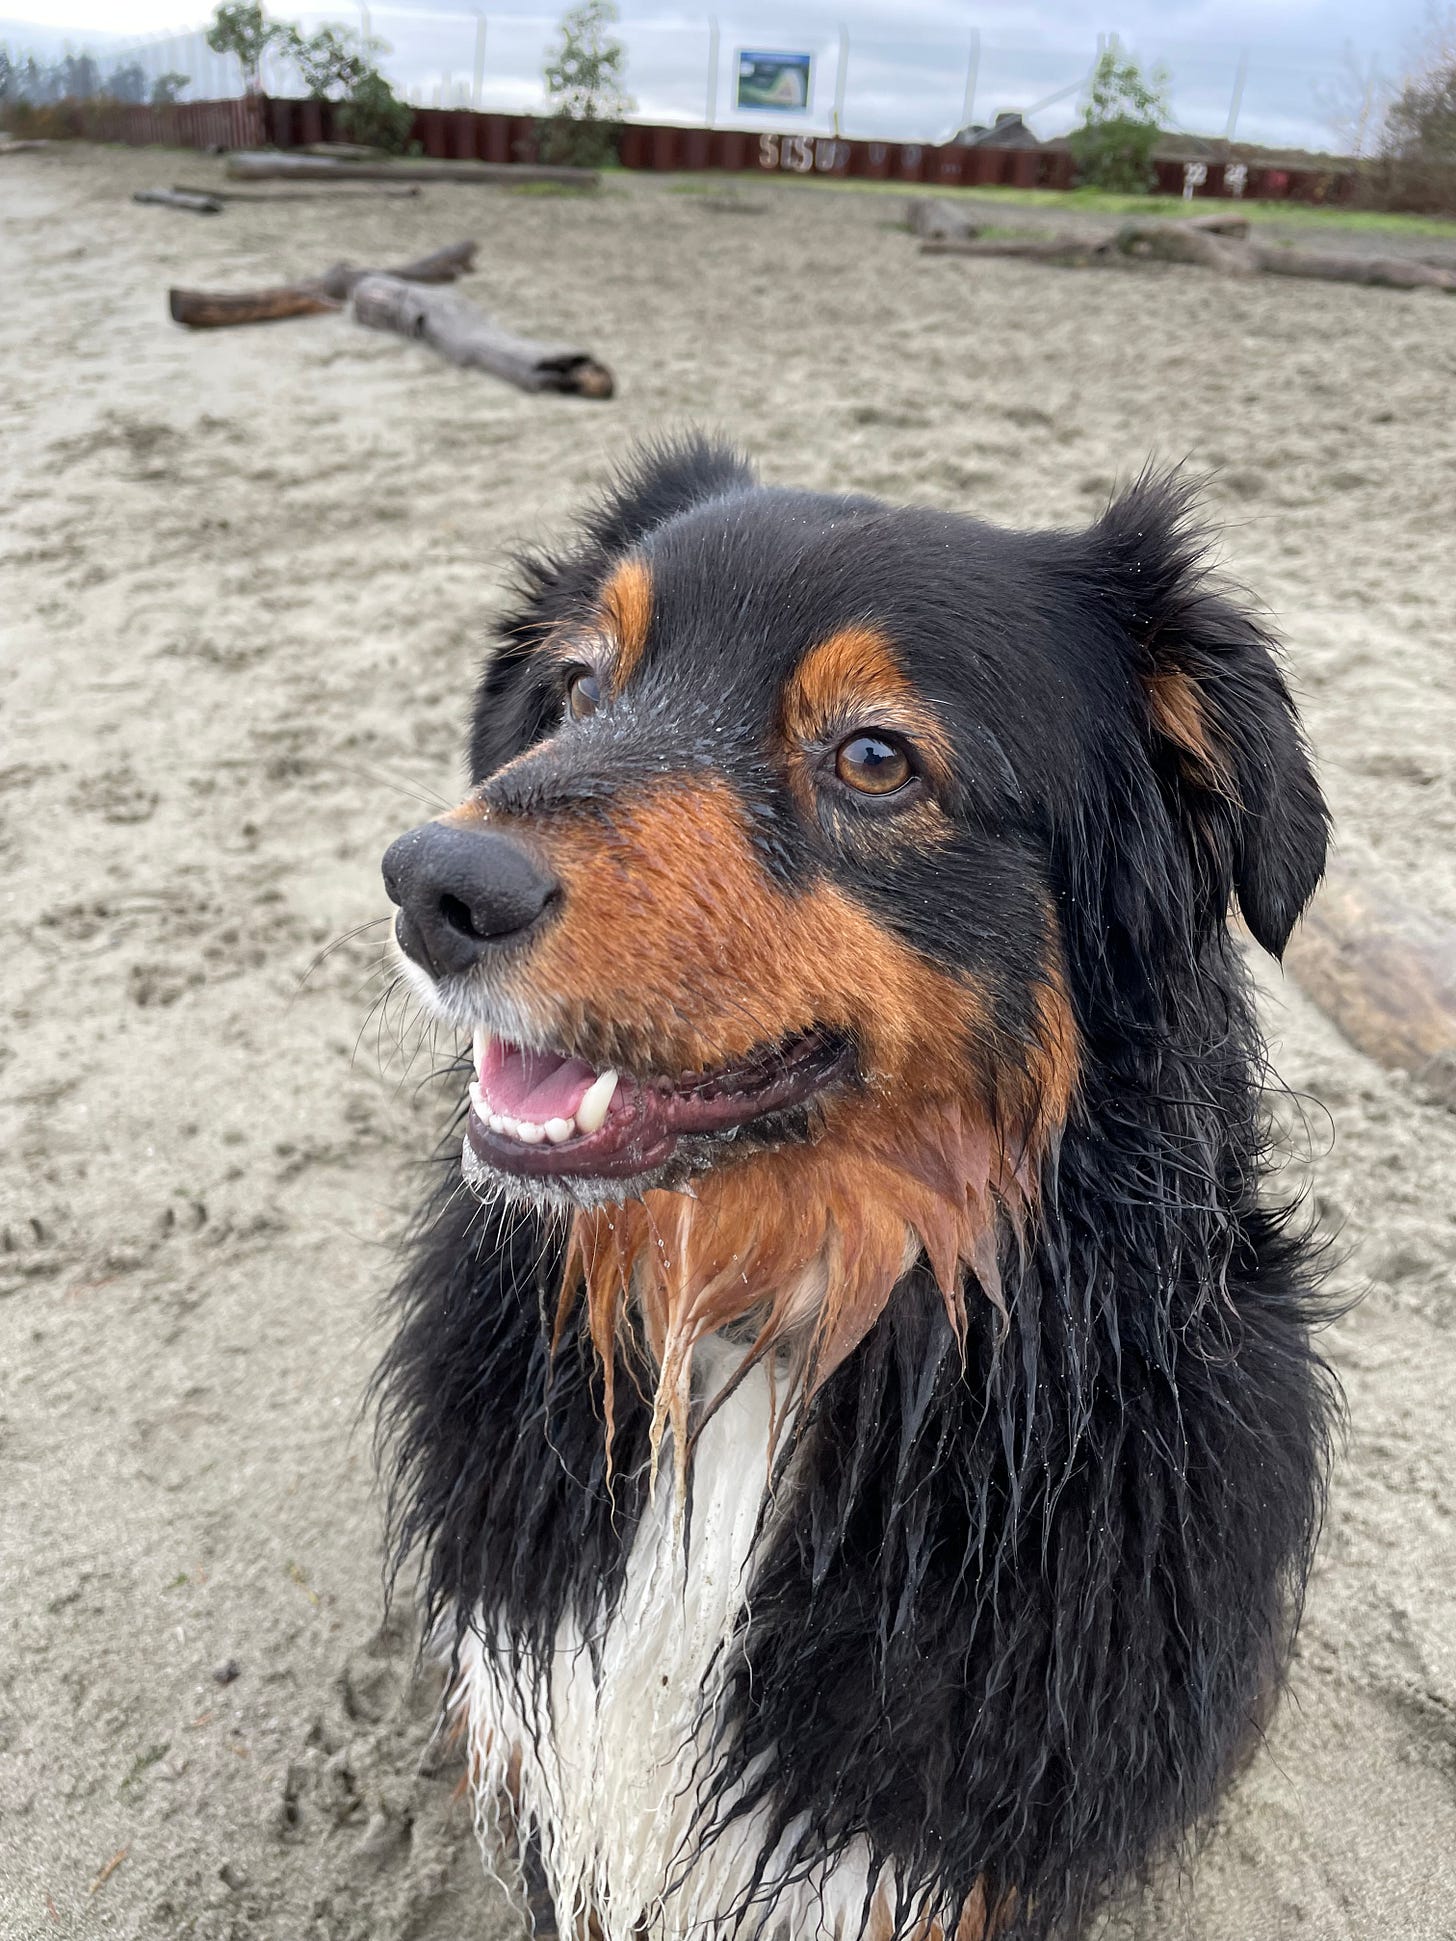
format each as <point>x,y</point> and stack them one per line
<point>246,578</point>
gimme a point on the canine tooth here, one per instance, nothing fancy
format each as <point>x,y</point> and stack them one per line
<point>477,1102</point>
<point>529,1133</point>
<point>558,1129</point>
<point>478,1046</point>
<point>592,1112</point>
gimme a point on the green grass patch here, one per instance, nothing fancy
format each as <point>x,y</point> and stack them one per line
<point>1089,202</point>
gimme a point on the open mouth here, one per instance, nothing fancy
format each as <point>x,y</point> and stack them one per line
<point>545,1114</point>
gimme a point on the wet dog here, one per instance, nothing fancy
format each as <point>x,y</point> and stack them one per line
<point>860,1420</point>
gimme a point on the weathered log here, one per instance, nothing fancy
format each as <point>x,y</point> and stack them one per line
<point>1072,252</point>
<point>935,219</point>
<point>1385,973</point>
<point>343,151</point>
<point>257,166</point>
<point>1187,242</point>
<point>215,309</point>
<point>198,201</point>
<point>341,192</point>
<point>21,148</point>
<point>1389,272</point>
<point>466,336</point>
<point>1219,224</point>
<point>1218,243</point>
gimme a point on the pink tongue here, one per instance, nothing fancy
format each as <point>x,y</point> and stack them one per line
<point>534,1085</point>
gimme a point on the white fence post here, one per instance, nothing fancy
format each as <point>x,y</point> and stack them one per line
<point>840,78</point>
<point>973,70</point>
<point>1241,74</point>
<point>712,114</point>
<point>477,84</point>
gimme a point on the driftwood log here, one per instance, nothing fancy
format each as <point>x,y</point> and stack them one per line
<point>255,166</point>
<point>342,192</point>
<point>1385,974</point>
<point>932,218</point>
<point>1221,243</point>
<point>466,336</point>
<point>214,309</point>
<point>1235,254</point>
<point>197,200</point>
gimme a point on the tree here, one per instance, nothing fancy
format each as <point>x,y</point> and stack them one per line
<point>1420,124</point>
<point>374,114</point>
<point>167,88</point>
<point>331,62</point>
<point>80,77</point>
<point>1124,117</point>
<point>1415,166</point>
<point>584,80</point>
<point>128,83</point>
<point>1352,101</point>
<point>241,28</point>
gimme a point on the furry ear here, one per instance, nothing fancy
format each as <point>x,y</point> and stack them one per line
<point>1225,737</point>
<point>512,707</point>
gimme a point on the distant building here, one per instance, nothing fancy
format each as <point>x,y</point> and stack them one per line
<point>1007,131</point>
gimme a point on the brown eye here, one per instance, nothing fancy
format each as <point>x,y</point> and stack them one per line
<point>872,765</point>
<point>583,694</point>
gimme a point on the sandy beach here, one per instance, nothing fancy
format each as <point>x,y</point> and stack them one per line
<point>245,579</point>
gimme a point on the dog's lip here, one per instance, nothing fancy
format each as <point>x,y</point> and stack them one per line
<point>647,1118</point>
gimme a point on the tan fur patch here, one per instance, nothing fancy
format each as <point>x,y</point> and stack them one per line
<point>626,609</point>
<point>673,931</point>
<point>1180,717</point>
<point>852,678</point>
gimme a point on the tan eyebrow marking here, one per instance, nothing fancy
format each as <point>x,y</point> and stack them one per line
<point>626,610</point>
<point>855,675</point>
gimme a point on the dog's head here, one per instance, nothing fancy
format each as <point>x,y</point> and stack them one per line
<point>813,848</point>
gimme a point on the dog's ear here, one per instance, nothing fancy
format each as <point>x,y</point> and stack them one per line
<point>1224,736</point>
<point>513,707</point>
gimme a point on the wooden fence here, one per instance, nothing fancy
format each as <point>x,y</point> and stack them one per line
<point>457,134</point>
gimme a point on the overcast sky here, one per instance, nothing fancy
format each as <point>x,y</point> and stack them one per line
<point>908,59</point>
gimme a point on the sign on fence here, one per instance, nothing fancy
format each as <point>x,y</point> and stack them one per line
<point>774,81</point>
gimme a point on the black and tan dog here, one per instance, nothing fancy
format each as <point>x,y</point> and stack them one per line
<point>864,1117</point>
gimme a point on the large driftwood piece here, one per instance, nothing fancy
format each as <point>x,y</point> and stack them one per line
<point>1074,252</point>
<point>1386,975</point>
<point>198,201</point>
<point>1390,272</point>
<point>935,220</point>
<point>214,309</point>
<point>1186,242</point>
<point>1221,243</point>
<point>256,166</point>
<point>341,192</point>
<point>466,336</point>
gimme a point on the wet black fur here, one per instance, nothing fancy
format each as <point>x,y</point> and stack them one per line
<point>1030,1607</point>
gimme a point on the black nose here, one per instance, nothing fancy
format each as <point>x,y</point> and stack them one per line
<point>461,890</point>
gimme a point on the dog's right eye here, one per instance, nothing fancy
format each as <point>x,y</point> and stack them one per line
<point>583,694</point>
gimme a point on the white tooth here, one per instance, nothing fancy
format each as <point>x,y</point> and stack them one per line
<point>592,1112</point>
<point>478,1046</point>
<point>508,1125</point>
<point>558,1129</point>
<point>496,1122</point>
<point>530,1134</point>
<point>477,1103</point>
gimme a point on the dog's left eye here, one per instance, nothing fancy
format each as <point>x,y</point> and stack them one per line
<point>872,765</point>
<point>583,694</point>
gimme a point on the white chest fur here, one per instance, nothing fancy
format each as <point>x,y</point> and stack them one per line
<point>607,1763</point>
